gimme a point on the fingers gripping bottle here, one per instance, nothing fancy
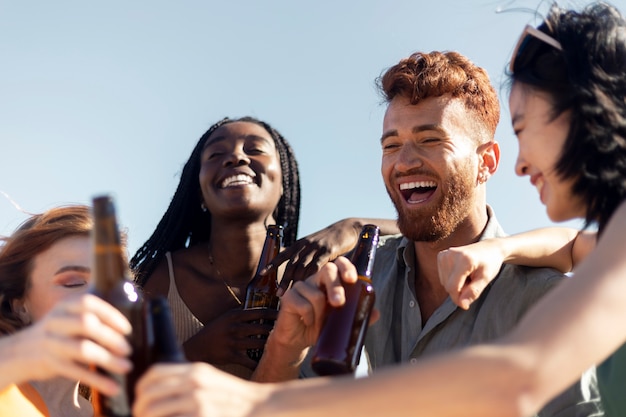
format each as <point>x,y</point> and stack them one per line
<point>261,291</point>
<point>340,342</point>
<point>111,282</point>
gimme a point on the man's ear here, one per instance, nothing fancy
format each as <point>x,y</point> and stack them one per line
<point>489,159</point>
<point>21,310</point>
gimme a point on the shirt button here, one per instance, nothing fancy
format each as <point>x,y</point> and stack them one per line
<point>411,303</point>
<point>413,361</point>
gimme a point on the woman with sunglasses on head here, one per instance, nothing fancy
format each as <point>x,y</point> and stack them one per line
<point>50,329</point>
<point>568,109</point>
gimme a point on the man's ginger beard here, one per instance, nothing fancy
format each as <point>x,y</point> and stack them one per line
<point>437,222</point>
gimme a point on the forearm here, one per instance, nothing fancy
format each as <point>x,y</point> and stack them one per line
<point>387,226</point>
<point>195,348</point>
<point>580,322</point>
<point>12,369</point>
<point>546,247</point>
<point>278,363</point>
<point>483,381</point>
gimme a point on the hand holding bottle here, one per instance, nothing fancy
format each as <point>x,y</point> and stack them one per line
<point>77,332</point>
<point>196,390</point>
<point>261,292</point>
<point>338,348</point>
<point>111,282</point>
<point>233,329</point>
<point>303,310</point>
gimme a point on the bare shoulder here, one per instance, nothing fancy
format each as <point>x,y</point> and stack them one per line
<point>184,264</point>
<point>158,282</point>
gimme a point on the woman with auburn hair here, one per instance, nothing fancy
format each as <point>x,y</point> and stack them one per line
<point>50,329</point>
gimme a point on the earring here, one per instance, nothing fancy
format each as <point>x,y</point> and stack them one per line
<point>203,207</point>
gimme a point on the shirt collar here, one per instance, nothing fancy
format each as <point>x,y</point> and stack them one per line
<point>492,229</point>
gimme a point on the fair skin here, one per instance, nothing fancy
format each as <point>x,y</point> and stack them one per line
<point>540,142</point>
<point>426,148</point>
<point>58,272</point>
<point>466,271</point>
<point>71,330</point>
<point>547,351</point>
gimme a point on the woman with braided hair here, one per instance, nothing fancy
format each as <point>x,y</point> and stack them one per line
<point>241,176</point>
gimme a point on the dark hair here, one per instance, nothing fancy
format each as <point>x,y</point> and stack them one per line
<point>588,78</point>
<point>38,233</point>
<point>434,74</point>
<point>184,223</point>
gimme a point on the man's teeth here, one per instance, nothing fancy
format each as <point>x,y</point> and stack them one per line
<point>417,184</point>
<point>237,180</point>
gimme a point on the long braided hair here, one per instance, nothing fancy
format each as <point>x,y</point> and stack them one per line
<point>185,223</point>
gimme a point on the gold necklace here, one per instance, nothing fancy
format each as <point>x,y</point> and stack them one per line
<point>219,274</point>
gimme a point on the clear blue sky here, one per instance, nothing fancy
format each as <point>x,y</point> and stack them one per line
<point>111,96</point>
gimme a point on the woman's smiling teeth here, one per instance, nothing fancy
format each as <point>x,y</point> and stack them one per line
<point>235,180</point>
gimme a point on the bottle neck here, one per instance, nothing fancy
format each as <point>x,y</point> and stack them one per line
<point>271,247</point>
<point>108,258</point>
<point>365,251</point>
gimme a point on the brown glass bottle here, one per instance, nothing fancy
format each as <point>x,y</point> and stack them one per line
<point>111,283</point>
<point>166,347</point>
<point>339,345</point>
<point>261,291</point>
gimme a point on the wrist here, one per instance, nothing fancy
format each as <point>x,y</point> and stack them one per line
<point>284,353</point>
<point>195,348</point>
<point>12,362</point>
<point>278,363</point>
<point>504,248</point>
<point>357,225</point>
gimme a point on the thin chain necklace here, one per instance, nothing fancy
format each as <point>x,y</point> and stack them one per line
<point>219,274</point>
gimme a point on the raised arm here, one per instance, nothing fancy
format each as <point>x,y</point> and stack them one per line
<point>308,254</point>
<point>465,271</point>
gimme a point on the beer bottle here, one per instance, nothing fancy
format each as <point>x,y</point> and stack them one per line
<point>261,291</point>
<point>338,348</point>
<point>166,347</point>
<point>111,282</point>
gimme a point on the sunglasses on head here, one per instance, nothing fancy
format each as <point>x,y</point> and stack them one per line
<point>529,33</point>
